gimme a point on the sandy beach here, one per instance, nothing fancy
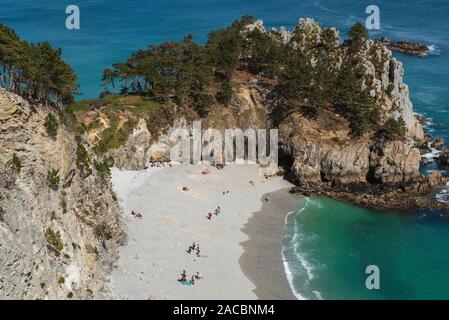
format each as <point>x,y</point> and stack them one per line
<point>240,248</point>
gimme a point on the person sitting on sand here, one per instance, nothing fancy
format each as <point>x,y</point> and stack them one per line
<point>198,251</point>
<point>198,276</point>
<point>192,280</point>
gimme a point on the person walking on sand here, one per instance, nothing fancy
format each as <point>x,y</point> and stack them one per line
<point>217,211</point>
<point>192,247</point>
<point>198,251</point>
<point>209,216</point>
<point>192,280</point>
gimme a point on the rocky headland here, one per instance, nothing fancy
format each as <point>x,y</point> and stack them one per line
<point>320,152</point>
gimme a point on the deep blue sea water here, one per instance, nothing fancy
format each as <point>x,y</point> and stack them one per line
<point>338,240</point>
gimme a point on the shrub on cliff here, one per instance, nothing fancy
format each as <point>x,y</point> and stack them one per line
<point>393,128</point>
<point>82,157</point>
<point>104,167</point>
<point>2,211</point>
<point>54,239</point>
<point>51,125</point>
<point>53,178</point>
<point>15,164</point>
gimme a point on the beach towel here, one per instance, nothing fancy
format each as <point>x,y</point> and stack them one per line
<point>187,283</point>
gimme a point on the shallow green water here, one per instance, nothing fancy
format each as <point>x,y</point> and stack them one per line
<point>329,244</point>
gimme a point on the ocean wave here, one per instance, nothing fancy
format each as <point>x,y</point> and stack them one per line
<point>434,50</point>
<point>301,258</point>
<point>432,155</point>
<point>443,195</point>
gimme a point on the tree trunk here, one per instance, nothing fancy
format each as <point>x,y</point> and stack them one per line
<point>11,77</point>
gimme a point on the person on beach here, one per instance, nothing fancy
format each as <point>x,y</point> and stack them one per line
<point>191,248</point>
<point>209,216</point>
<point>183,276</point>
<point>198,276</point>
<point>198,251</point>
<point>217,211</point>
<point>192,280</point>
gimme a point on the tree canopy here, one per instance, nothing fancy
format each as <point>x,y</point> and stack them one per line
<point>201,75</point>
<point>35,69</point>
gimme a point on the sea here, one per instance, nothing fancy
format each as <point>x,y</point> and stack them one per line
<point>328,245</point>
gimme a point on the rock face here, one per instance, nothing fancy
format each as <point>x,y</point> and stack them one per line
<point>247,109</point>
<point>327,155</point>
<point>57,242</point>
<point>132,156</point>
<point>405,46</point>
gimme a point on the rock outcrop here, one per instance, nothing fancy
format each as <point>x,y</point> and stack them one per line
<point>58,236</point>
<point>406,47</point>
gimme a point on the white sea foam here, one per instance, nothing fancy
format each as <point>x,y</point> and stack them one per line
<point>294,243</point>
<point>434,50</point>
<point>432,155</point>
<point>443,195</point>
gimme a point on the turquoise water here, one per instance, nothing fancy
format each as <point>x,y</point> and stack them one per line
<point>333,241</point>
<point>329,244</point>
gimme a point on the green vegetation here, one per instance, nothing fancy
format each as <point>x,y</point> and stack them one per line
<point>54,239</point>
<point>53,178</point>
<point>2,211</point>
<point>103,231</point>
<point>36,70</point>
<point>183,72</point>
<point>393,128</point>
<point>15,163</point>
<point>82,156</point>
<point>199,77</point>
<point>358,32</point>
<point>114,136</point>
<point>104,167</point>
<point>51,124</point>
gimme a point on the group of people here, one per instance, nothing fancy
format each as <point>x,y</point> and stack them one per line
<point>183,280</point>
<point>216,212</point>
<point>195,248</point>
<point>136,214</point>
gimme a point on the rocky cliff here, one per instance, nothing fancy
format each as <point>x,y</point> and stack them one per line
<point>59,219</point>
